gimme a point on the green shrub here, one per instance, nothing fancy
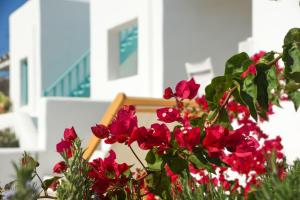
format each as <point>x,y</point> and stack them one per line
<point>8,139</point>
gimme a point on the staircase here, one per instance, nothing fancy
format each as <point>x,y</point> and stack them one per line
<point>128,43</point>
<point>74,82</point>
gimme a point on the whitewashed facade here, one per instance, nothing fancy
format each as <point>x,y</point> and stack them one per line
<point>138,47</point>
<point>170,33</point>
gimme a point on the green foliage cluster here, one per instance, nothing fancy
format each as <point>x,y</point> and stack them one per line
<point>256,91</point>
<point>272,188</point>
<point>23,187</point>
<point>8,139</point>
<point>5,103</point>
<point>75,184</point>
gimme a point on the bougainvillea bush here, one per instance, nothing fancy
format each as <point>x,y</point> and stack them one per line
<point>215,150</point>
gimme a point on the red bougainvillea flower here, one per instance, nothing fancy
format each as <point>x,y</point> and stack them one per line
<point>274,145</point>
<point>213,140</point>
<point>251,70</point>
<point>187,137</point>
<point>187,89</point>
<point>121,127</point>
<point>157,136</point>
<point>54,185</point>
<point>168,93</point>
<point>247,147</point>
<point>70,134</point>
<point>168,115</point>
<point>223,98</point>
<point>173,176</point>
<point>107,173</point>
<point>232,140</point>
<point>202,102</point>
<point>64,146</point>
<point>60,167</point>
<point>256,57</point>
<point>100,131</point>
<point>238,111</point>
<point>150,196</point>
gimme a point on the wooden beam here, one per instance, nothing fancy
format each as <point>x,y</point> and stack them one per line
<point>143,105</point>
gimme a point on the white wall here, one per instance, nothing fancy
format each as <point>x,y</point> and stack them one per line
<point>24,42</point>
<point>196,30</point>
<point>52,35</point>
<point>109,14</point>
<point>272,20</point>
<point>285,123</point>
<point>65,36</point>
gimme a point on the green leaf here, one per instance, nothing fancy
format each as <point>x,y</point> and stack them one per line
<point>212,114</point>
<point>9,185</point>
<point>292,59</point>
<point>198,122</point>
<point>110,174</point>
<point>292,86</point>
<point>154,160</point>
<point>250,87</point>
<point>223,119</point>
<point>127,173</point>
<point>245,99</point>
<point>215,90</point>
<point>237,64</point>
<point>293,35</point>
<point>295,97</point>
<point>268,57</point>
<point>250,104</point>
<point>273,86</point>
<point>177,164</point>
<point>196,162</point>
<point>291,55</point>
<point>217,161</point>
<point>47,183</point>
<point>159,184</point>
<point>201,155</point>
<point>119,194</point>
<point>262,86</point>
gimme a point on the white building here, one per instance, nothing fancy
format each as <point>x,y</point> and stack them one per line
<point>49,48</point>
<point>65,49</point>
<point>170,33</point>
<point>46,38</point>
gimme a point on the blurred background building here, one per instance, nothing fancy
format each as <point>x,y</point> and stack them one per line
<point>67,59</point>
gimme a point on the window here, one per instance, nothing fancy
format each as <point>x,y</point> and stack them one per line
<point>24,82</point>
<point>123,51</point>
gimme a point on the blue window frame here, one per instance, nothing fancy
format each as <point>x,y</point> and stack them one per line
<point>24,82</point>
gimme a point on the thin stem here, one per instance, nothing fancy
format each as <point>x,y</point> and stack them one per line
<point>142,177</point>
<point>275,60</point>
<point>137,158</point>
<point>46,197</point>
<point>42,183</point>
<point>230,92</point>
<point>139,197</point>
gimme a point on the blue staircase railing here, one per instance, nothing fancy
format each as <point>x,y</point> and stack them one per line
<point>74,82</point>
<point>128,42</point>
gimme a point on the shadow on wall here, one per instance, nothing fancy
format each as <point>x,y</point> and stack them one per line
<point>197,29</point>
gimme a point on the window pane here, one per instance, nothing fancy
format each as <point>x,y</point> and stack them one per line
<point>128,41</point>
<point>24,82</point>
